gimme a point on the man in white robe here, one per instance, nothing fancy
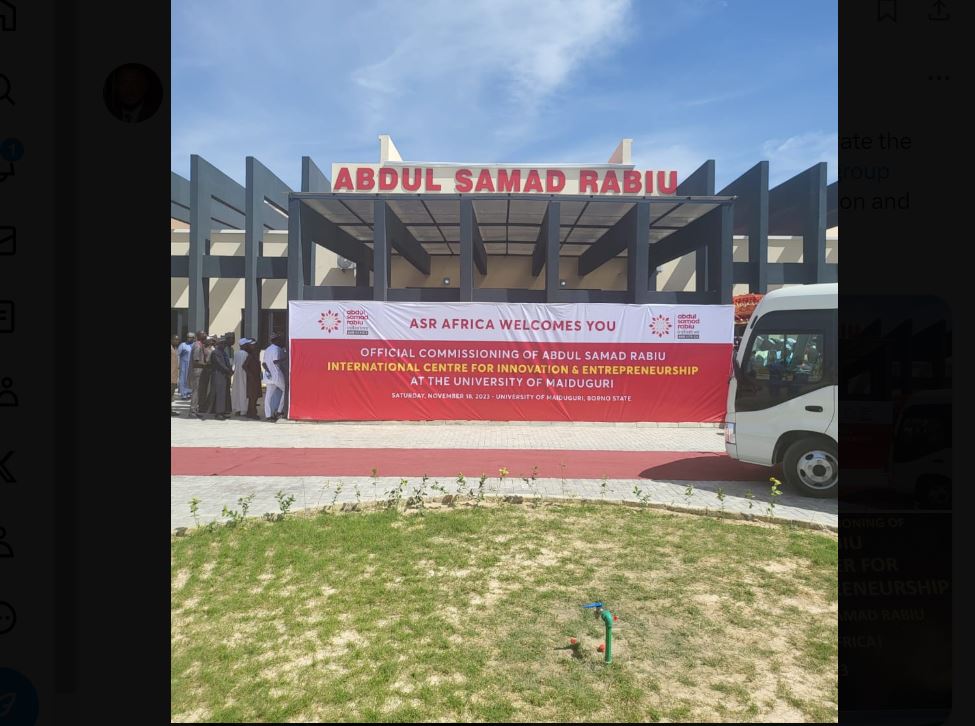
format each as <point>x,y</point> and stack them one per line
<point>238,389</point>
<point>274,381</point>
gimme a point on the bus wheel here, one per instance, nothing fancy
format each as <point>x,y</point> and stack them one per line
<point>811,467</point>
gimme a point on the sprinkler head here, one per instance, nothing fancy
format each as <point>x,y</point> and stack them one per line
<point>572,641</point>
<point>615,618</point>
<point>601,648</point>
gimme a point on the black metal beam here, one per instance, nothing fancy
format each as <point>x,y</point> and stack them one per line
<point>336,292</point>
<point>296,273</point>
<point>538,253</point>
<point>272,268</point>
<point>550,233</point>
<point>609,245</point>
<point>403,241</point>
<point>480,253</point>
<point>701,182</point>
<point>751,218</point>
<point>331,236</point>
<point>179,266</point>
<point>786,273</point>
<point>685,240</point>
<point>635,229</point>
<point>467,226</point>
<point>261,186</point>
<point>312,178</point>
<point>214,197</point>
<point>832,205</point>
<point>380,251</point>
<point>179,197</point>
<point>223,266</point>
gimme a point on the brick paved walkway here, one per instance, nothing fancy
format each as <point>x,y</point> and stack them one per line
<point>233,453</point>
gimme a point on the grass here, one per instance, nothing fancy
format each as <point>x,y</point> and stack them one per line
<point>465,615</point>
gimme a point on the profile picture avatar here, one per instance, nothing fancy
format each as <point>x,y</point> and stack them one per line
<point>133,93</point>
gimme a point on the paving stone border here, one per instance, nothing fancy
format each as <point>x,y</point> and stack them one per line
<point>451,501</point>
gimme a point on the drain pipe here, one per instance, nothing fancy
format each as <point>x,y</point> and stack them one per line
<point>607,617</point>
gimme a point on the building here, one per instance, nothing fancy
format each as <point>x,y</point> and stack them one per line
<point>455,232</point>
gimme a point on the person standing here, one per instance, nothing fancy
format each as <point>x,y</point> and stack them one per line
<point>197,366</point>
<point>238,389</point>
<point>283,366</point>
<point>174,371</point>
<point>231,338</point>
<point>273,378</point>
<point>206,378</point>
<point>220,372</point>
<point>184,351</point>
<point>252,368</point>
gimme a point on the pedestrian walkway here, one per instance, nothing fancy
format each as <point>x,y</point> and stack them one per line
<point>313,492</point>
<point>236,433</point>
<point>221,461</point>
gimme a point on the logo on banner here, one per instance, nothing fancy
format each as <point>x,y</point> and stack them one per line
<point>688,326</point>
<point>329,321</point>
<point>356,322</point>
<point>660,325</point>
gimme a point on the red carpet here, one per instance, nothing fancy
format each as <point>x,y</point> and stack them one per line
<point>682,465</point>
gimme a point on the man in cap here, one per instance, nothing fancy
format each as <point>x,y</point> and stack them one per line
<point>273,378</point>
<point>206,389</point>
<point>252,368</point>
<point>197,366</point>
<point>220,373</point>
<point>238,389</point>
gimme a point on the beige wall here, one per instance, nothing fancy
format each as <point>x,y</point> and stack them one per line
<point>227,295</point>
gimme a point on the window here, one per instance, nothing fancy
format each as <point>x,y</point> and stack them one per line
<point>268,321</point>
<point>786,357</point>
<point>790,353</point>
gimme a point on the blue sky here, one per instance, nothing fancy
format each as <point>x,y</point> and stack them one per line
<point>737,81</point>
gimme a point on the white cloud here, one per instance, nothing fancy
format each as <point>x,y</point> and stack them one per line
<point>487,59</point>
<point>788,157</point>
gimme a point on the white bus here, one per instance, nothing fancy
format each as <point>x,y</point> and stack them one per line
<point>782,396</point>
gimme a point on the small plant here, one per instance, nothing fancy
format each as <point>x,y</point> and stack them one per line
<point>776,492</point>
<point>237,517</point>
<point>358,495</point>
<point>502,473</point>
<point>335,496</point>
<point>750,496</point>
<point>416,499</point>
<point>319,502</point>
<point>642,496</point>
<point>438,487</point>
<point>479,496</point>
<point>195,510</point>
<point>688,493</point>
<point>461,483</point>
<point>720,494</point>
<point>533,486</point>
<point>395,494</point>
<point>284,502</point>
<point>603,484</point>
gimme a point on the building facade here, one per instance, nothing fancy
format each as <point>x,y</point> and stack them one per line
<point>486,232</point>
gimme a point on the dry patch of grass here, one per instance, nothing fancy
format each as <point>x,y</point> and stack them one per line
<point>465,615</point>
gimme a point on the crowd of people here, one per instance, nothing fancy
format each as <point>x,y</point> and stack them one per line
<point>222,382</point>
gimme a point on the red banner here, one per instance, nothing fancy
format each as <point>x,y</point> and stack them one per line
<point>509,362</point>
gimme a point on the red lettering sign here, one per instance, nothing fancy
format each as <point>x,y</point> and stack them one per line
<point>343,180</point>
<point>587,181</point>
<point>462,180</point>
<point>554,181</point>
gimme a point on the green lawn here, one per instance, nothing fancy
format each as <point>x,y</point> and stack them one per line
<point>465,614</point>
